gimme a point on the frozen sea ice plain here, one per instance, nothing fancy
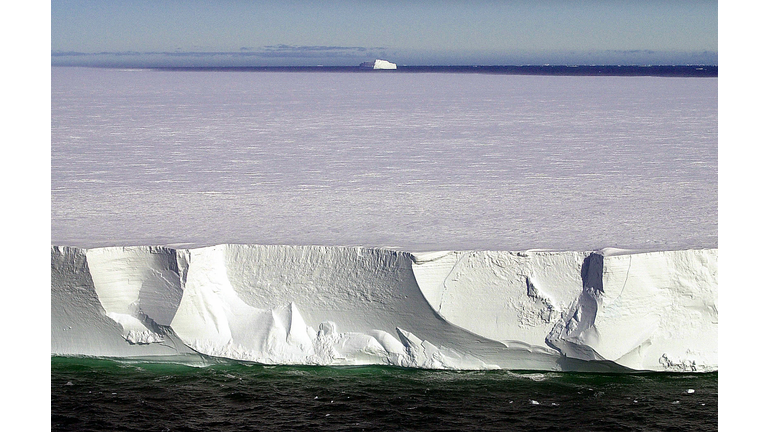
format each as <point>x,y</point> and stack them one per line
<point>417,162</point>
<point>223,168</point>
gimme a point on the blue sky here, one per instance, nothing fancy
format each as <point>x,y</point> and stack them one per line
<point>301,32</point>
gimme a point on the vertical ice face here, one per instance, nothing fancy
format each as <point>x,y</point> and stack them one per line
<point>319,305</point>
<point>79,324</point>
<point>114,302</point>
<point>518,295</point>
<point>144,282</point>
<point>650,311</point>
<point>336,305</point>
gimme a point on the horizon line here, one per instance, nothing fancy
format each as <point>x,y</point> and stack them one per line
<point>672,70</point>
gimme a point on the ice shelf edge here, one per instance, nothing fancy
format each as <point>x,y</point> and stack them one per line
<point>603,310</point>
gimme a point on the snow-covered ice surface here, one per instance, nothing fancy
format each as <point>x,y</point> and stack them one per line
<point>217,166</point>
<point>415,161</point>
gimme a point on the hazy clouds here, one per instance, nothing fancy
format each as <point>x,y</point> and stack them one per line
<point>416,32</point>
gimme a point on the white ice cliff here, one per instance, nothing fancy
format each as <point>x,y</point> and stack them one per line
<point>378,64</point>
<point>609,310</point>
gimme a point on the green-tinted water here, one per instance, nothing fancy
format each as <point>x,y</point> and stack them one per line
<point>98,394</point>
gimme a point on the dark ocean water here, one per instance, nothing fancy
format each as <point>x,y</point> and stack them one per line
<point>98,394</point>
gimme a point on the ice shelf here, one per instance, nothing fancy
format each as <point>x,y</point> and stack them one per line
<point>607,310</point>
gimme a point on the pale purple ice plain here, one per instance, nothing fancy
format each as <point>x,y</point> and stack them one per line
<point>410,161</point>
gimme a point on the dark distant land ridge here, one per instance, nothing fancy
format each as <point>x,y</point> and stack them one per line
<point>557,70</point>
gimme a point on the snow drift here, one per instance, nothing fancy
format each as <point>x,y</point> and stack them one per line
<point>580,311</point>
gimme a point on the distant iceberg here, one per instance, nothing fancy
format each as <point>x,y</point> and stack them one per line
<point>378,64</point>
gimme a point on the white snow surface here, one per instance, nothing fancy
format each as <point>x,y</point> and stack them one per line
<point>412,161</point>
<point>582,311</point>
